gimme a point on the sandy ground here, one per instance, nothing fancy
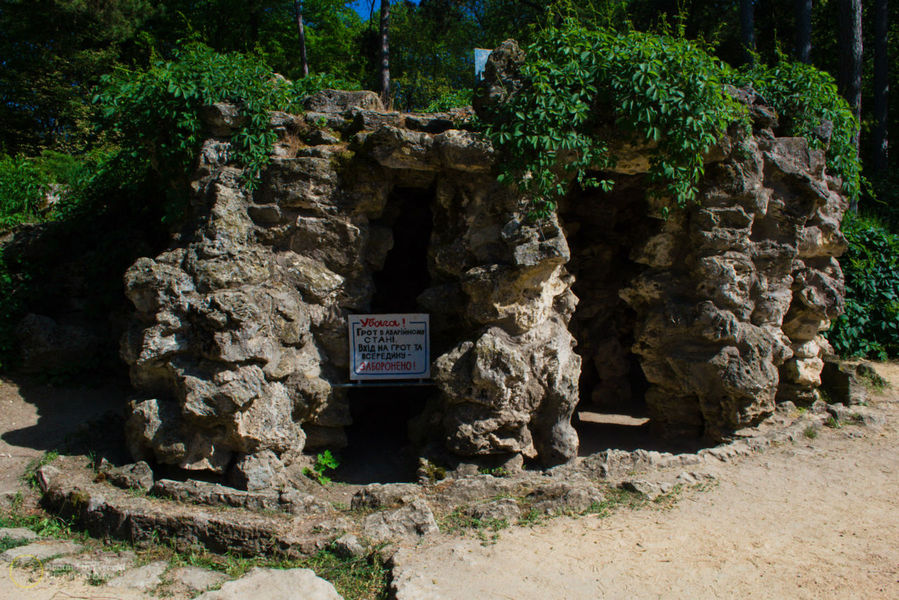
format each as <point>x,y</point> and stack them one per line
<point>816,519</point>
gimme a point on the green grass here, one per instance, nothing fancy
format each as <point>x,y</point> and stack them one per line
<point>7,542</point>
<point>810,432</point>
<point>30,474</point>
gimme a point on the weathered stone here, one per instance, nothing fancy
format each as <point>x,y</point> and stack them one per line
<point>47,476</point>
<point>563,496</point>
<point>214,494</point>
<point>841,382</point>
<point>17,534</point>
<point>275,584</point>
<point>143,578</point>
<point>138,476</point>
<point>504,509</point>
<point>648,489</point>
<point>41,550</point>
<point>348,546</point>
<point>238,347</point>
<point>377,495</point>
<point>338,101</point>
<point>413,520</point>
<point>196,578</point>
<point>103,565</point>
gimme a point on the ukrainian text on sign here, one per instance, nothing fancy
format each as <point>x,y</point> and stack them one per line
<point>389,346</point>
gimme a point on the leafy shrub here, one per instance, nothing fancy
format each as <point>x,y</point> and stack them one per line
<point>157,111</point>
<point>805,98</point>
<point>449,100</point>
<point>21,191</point>
<point>659,88</point>
<point>870,325</point>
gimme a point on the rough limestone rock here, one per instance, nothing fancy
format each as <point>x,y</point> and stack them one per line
<point>412,521</point>
<point>238,348</point>
<point>275,584</point>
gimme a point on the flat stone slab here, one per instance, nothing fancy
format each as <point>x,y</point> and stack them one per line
<point>41,550</point>
<point>276,584</point>
<point>142,578</point>
<point>95,564</point>
<point>17,534</point>
<point>197,578</point>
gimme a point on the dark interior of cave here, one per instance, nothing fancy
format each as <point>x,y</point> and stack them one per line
<point>601,228</point>
<point>378,447</point>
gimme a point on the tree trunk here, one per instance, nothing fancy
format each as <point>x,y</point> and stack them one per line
<point>804,31</point>
<point>851,56</point>
<point>747,30</point>
<point>385,53</point>
<point>881,87</point>
<point>298,6</point>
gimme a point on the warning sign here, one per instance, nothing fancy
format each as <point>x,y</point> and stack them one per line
<point>389,347</point>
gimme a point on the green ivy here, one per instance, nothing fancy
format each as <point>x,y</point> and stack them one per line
<point>658,88</point>
<point>805,98</point>
<point>870,325</point>
<point>157,111</point>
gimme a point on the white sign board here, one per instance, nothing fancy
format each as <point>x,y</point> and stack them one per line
<point>389,347</point>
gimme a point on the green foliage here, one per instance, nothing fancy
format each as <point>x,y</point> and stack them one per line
<point>21,192</point>
<point>450,100</point>
<point>660,89</point>
<point>324,461</point>
<point>156,111</point>
<point>806,98</point>
<point>870,325</point>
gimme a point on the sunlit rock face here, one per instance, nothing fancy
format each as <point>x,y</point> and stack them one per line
<point>238,342</point>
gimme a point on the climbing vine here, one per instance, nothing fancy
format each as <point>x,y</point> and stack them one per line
<point>658,88</point>
<point>808,103</point>
<point>157,111</point>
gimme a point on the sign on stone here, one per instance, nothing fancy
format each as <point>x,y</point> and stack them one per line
<point>389,347</point>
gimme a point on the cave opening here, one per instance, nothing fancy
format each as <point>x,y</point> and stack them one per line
<point>602,228</point>
<point>378,448</point>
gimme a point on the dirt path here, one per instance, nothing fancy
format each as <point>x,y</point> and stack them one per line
<point>816,519</point>
<point>812,519</point>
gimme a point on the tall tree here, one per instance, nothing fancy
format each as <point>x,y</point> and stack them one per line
<point>385,53</point>
<point>301,32</point>
<point>747,30</point>
<point>851,55</point>
<point>881,87</point>
<point>804,31</point>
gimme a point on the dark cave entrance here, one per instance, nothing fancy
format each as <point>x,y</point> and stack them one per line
<point>602,228</point>
<point>378,443</point>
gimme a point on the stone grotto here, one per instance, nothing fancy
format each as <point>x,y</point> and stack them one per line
<point>238,350</point>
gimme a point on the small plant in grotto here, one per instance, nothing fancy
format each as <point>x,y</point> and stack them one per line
<point>324,461</point>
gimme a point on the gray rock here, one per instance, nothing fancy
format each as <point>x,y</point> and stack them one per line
<point>338,101</point>
<point>414,520</point>
<point>103,565</point>
<point>275,584</point>
<point>17,534</point>
<point>213,494</point>
<point>496,510</point>
<point>138,476</point>
<point>41,550</point>
<point>648,489</point>
<point>348,546</point>
<point>565,497</point>
<point>196,578</point>
<point>143,578</point>
<point>380,495</point>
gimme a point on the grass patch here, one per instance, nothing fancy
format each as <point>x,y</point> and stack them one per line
<point>810,432</point>
<point>459,521</point>
<point>833,423</point>
<point>7,543</point>
<point>30,475</point>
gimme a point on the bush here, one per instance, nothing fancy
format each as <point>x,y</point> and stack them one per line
<point>21,191</point>
<point>870,325</point>
<point>156,111</point>
<point>659,88</point>
<point>805,98</point>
